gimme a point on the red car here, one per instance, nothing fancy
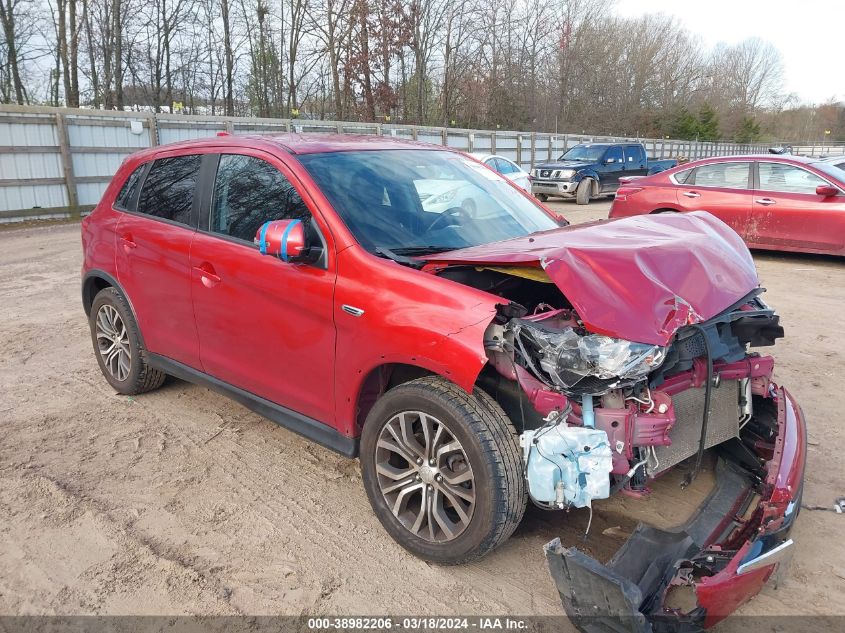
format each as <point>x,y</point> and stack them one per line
<point>785,203</point>
<point>475,361</point>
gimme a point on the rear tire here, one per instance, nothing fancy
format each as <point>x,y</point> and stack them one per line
<point>541,197</point>
<point>442,470</point>
<point>117,345</point>
<point>584,191</point>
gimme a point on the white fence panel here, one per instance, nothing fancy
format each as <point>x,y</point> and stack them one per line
<point>57,161</point>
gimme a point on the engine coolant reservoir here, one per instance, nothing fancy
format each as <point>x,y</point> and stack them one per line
<point>567,465</point>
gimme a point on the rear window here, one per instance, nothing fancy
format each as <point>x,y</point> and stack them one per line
<point>168,191</point>
<point>126,198</point>
<point>682,176</point>
<point>634,154</point>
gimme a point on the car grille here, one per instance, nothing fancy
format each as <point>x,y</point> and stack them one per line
<point>545,173</point>
<point>689,409</point>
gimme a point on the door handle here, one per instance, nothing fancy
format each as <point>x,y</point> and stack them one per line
<point>207,275</point>
<point>764,201</point>
<point>128,242</point>
<point>356,312</point>
<point>692,194</point>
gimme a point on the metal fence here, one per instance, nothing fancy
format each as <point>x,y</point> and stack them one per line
<point>56,162</point>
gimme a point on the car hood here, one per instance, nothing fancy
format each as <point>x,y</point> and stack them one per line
<point>565,164</point>
<point>639,278</point>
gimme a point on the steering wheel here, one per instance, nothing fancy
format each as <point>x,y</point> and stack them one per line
<point>450,213</point>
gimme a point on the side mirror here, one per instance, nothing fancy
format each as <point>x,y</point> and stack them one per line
<point>827,191</point>
<point>284,239</point>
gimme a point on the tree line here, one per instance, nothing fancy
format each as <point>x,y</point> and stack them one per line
<point>543,65</point>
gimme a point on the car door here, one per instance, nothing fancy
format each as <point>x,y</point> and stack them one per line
<point>635,161</point>
<point>721,188</point>
<point>265,326</point>
<point>787,211</point>
<point>612,169</point>
<point>154,238</point>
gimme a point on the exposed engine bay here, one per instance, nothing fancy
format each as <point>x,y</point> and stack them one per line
<point>607,409</point>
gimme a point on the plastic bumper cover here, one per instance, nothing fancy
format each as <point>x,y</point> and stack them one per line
<point>702,558</point>
<point>553,188</point>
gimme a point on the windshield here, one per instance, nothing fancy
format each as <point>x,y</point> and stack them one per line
<point>411,202</point>
<point>832,171</point>
<point>592,153</point>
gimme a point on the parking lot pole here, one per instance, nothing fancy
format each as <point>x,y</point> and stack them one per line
<point>67,166</point>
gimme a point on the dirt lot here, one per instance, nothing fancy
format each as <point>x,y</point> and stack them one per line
<point>181,501</point>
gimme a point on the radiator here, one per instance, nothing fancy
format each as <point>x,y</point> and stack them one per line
<point>689,409</point>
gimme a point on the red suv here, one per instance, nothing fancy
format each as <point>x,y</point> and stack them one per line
<point>407,305</point>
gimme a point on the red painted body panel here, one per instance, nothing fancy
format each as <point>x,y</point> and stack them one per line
<point>723,593</point>
<point>791,222</point>
<point>409,317</point>
<point>152,267</point>
<point>266,326</point>
<point>798,222</point>
<point>669,270</point>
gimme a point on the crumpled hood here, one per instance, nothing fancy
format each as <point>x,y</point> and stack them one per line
<point>638,278</point>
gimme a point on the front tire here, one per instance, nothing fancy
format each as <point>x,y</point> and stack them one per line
<point>541,197</point>
<point>442,470</point>
<point>117,344</point>
<point>584,191</point>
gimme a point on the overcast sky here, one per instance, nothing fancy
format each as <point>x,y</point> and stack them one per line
<point>809,34</point>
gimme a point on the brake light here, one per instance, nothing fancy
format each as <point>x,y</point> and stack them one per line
<point>623,192</point>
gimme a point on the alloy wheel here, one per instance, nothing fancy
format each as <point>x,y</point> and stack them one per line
<point>113,342</point>
<point>425,476</point>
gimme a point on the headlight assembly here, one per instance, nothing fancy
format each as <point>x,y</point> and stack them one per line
<point>446,196</point>
<point>582,363</point>
<point>566,173</point>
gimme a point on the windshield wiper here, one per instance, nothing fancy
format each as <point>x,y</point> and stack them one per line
<point>381,251</point>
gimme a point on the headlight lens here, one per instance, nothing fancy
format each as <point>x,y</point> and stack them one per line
<point>447,196</point>
<point>584,363</point>
<point>566,173</point>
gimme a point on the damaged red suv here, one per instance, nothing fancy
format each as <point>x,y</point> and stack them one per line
<point>405,304</point>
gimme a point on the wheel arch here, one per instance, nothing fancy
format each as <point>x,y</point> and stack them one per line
<point>96,280</point>
<point>664,210</point>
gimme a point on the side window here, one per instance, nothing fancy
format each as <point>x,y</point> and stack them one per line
<point>634,154</point>
<point>681,177</point>
<point>507,167</point>
<point>614,155</point>
<point>126,196</point>
<point>788,179</point>
<point>168,190</point>
<point>724,175</point>
<point>248,192</point>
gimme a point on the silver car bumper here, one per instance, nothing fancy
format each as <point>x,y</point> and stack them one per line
<point>553,187</point>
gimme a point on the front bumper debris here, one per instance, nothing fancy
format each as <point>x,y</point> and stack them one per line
<point>689,578</point>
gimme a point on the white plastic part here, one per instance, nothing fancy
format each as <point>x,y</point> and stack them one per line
<point>136,127</point>
<point>567,465</point>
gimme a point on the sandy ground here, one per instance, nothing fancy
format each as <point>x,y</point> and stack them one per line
<point>183,502</point>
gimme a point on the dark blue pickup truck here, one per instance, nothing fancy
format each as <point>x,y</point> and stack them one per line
<point>591,170</point>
